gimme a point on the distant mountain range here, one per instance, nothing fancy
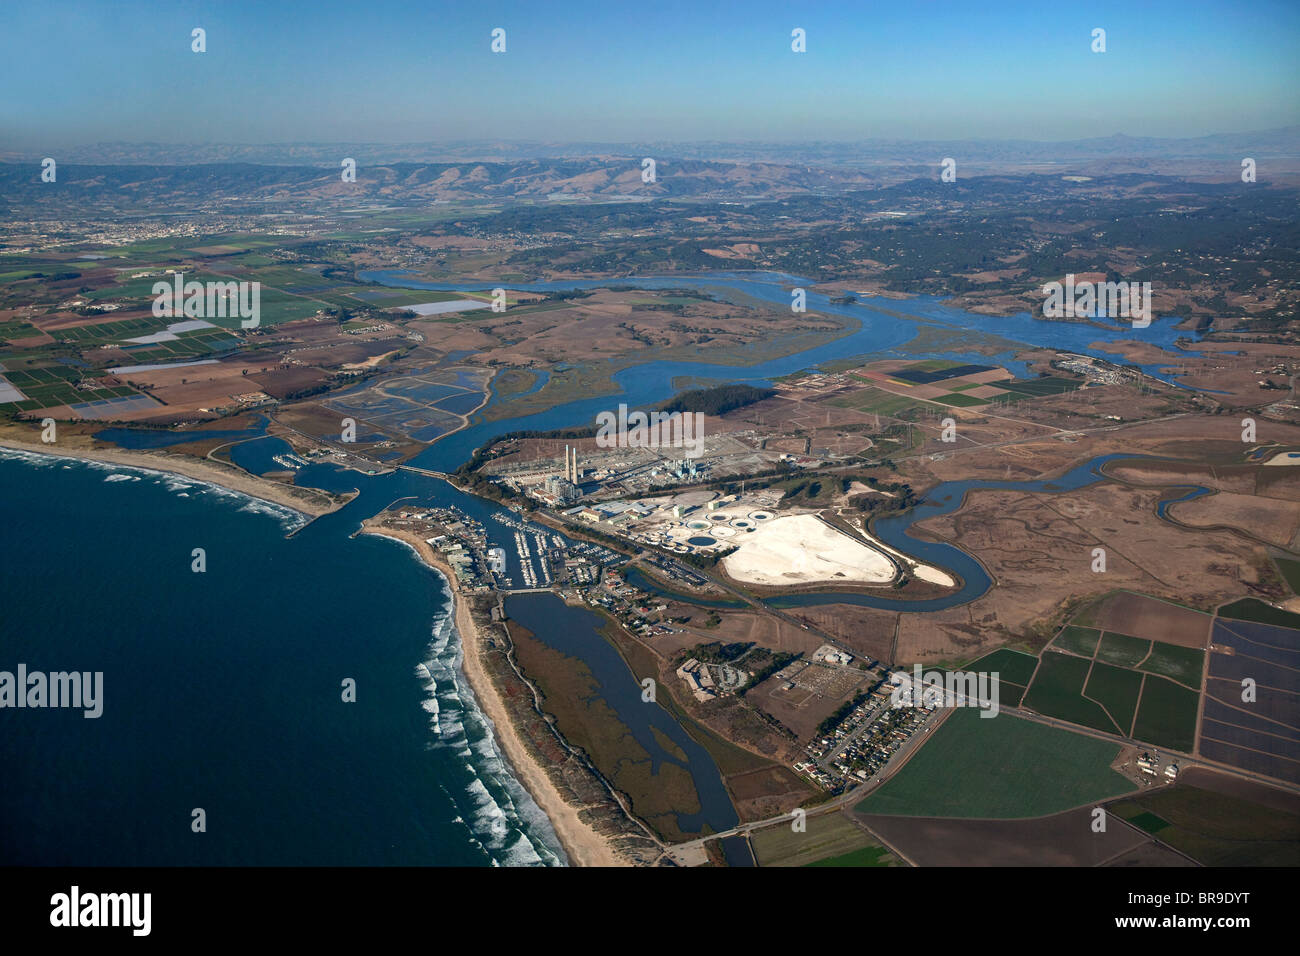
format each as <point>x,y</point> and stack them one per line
<point>259,179</point>
<point>260,186</point>
<point>1272,144</point>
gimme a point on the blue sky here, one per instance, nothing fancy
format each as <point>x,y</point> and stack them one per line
<point>387,71</point>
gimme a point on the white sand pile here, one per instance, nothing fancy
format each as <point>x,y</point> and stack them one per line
<point>799,549</point>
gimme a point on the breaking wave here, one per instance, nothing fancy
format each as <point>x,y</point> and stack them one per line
<point>181,486</point>
<point>502,818</point>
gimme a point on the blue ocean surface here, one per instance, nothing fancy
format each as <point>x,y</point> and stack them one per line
<point>222,690</point>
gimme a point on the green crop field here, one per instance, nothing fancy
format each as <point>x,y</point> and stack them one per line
<point>827,837</point>
<point>1057,691</point>
<point>142,289</point>
<point>1034,387</point>
<point>1003,767</point>
<point>1122,650</point>
<point>1213,828</point>
<point>1183,664</point>
<point>958,400</point>
<point>933,365</point>
<point>1116,689</point>
<point>1252,609</point>
<point>46,387</point>
<point>276,304</point>
<point>1290,570</point>
<point>1080,640</point>
<point>867,856</point>
<point>874,400</point>
<point>395,297</point>
<point>1150,822</point>
<point>38,375</point>
<point>16,329</point>
<point>109,331</point>
<point>1009,694</point>
<point>282,276</point>
<point>1014,670</point>
<point>47,396</point>
<point>1013,666</point>
<point>277,307</point>
<point>1167,714</point>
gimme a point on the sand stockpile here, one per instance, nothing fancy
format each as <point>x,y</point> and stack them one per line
<point>801,549</point>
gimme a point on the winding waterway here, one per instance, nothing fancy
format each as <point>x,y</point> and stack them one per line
<point>877,327</point>
<point>576,633</point>
<point>222,688</point>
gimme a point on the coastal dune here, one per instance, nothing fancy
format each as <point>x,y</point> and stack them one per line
<point>583,845</point>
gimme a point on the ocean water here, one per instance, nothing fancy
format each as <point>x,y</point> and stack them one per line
<point>222,690</point>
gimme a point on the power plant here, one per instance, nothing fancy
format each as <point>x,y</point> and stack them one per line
<point>571,464</point>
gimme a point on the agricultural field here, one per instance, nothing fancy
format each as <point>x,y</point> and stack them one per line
<point>1122,650</point>
<point>1036,546</point>
<point>1078,640</point>
<point>1218,821</point>
<point>1259,732</point>
<point>1182,664</point>
<point>1038,387</point>
<point>1062,839</point>
<point>1167,714</point>
<point>1000,768</point>
<point>1126,612</point>
<point>874,401</point>
<point>1058,691</point>
<point>1120,684</point>
<point>315,332</point>
<point>831,839</point>
<point>1290,571</point>
<point>894,387</point>
<point>1250,609</point>
<point>1117,690</point>
<point>1014,670</point>
<point>1015,667</point>
<point>866,856</point>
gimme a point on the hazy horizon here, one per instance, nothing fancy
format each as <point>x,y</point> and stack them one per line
<point>400,72</point>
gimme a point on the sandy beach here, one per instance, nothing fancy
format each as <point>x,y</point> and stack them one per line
<point>306,501</point>
<point>583,845</point>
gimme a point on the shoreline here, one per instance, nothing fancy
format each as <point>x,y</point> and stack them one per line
<point>309,502</point>
<point>582,844</point>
